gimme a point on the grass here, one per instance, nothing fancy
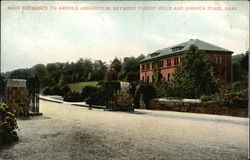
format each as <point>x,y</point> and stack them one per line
<point>80,85</point>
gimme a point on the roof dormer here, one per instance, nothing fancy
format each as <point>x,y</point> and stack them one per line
<point>175,49</point>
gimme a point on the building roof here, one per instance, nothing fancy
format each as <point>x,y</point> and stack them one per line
<point>202,45</point>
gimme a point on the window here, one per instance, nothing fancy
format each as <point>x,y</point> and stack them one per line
<point>143,67</point>
<point>153,64</point>
<point>169,62</point>
<point>160,63</point>
<point>221,60</point>
<point>148,66</point>
<point>177,48</point>
<point>147,79</point>
<point>176,61</point>
<point>168,76</point>
<point>142,78</point>
<point>153,79</point>
<point>217,60</point>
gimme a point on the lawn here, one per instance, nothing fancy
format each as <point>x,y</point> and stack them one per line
<point>80,85</point>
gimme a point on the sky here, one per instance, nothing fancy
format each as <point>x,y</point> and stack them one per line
<point>30,37</point>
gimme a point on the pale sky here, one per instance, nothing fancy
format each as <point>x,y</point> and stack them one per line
<point>32,37</point>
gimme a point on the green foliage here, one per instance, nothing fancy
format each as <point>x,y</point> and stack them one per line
<point>100,68</point>
<point>47,91</point>
<point>164,89</point>
<point>9,124</point>
<point>232,97</point>
<point>147,92</point>
<point>97,98</point>
<point>78,86</point>
<point>2,85</point>
<point>131,68</point>
<point>212,97</point>
<point>63,73</point>
<point>104,94</point>
<point>116,65</point>
<point>57,90</point>
<point>244,62</point>
<point>157,75</point>
<point>132,76</point>
<point>111,75</point>
<point>73,97</point>
<point>239,85</point>
<point>87,91</point>
<point>65,90</point>
<point>194,77</point>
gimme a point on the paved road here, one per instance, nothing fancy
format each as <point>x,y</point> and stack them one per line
<point>71,132</point>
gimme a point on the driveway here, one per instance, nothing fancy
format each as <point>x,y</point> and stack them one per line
<point>71,132</point>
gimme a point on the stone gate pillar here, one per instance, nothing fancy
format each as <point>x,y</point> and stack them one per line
<point>16,96</point>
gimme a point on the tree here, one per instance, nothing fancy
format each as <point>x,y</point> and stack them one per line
<point>115,68</point>
<point>116,65</point>
<point>100,69</point>
<point>194,77</point>
<point>131,67</point>
<point>111,75</point>
<point>244,61</point>
<point>44,77</point>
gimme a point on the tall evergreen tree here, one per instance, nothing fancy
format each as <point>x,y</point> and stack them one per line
<point>194,77</point>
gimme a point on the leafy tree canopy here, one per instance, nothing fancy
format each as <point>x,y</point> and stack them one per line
<point>194,77</point>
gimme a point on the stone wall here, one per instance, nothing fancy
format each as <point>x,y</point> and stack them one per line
<point>198,107</point>
<point>16,96</point>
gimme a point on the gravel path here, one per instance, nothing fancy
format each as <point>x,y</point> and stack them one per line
<point>71,132</point>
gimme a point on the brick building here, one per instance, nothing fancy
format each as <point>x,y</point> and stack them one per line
<point>169,58</point>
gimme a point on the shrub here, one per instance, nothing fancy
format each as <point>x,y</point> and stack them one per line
<point>9,124</point>
<point>229,96</point>
<point>56,90</point>
<point>212,97</point>
<point>132,76</point>
<point>47,91</point>
<point>73,97</point>
<point>147,91</point>
<point>163,89</point>
<point>239,85</point>
<point>88,91</point>
<point>65,90</point>
<point>97,98</point>
<point>105,94</point>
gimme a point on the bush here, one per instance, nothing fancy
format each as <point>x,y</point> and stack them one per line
<point>147,91</point>
<point>73,97</point>
<point>239,85</point>
<point>105,94</point>
<point>163,89</point>
<point>229,96</point>
<point>47,91</point>
<point>97,98</point>
<point>132,76</point>
<point>9,124</point>
<point>65,90</point>
<point>56,91</point>
<point>212,97</point>
<point>88,91</point>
